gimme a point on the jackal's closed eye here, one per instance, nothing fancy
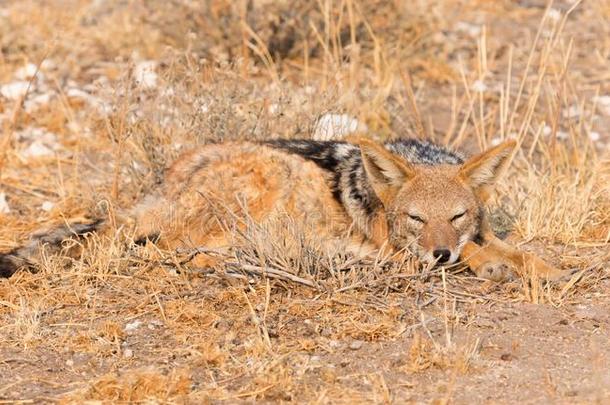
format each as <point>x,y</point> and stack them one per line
<point>416,218</point>
<point>458,216</point>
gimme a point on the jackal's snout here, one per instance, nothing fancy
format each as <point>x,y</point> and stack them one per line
<point>440,242</point>
<point>442,255</point>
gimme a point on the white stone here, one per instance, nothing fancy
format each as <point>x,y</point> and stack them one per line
<point>479,86</point>
<point>37,101</point>
<point>47,64</point>
<point>572,112</point>
<point>27,72</point>
<point>594,136</point>
<point>77,93</point>
<point>603,100</point>
<point>14,90</point>
<point>101,106</point>
<point>145,74</point>
<point>562,135</point>
<point>133,325</point>
<point>546,130</point>
<point>471,29</point>
<point>274,108</point>
<point>496,140</point>
<point>337,126</point>
<point>204,106</point>
<point>554,14</point>
<point>37,149</point>
<point>47,206</point>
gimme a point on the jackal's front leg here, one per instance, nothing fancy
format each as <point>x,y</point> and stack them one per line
<point>495,259</point>
<point>487,263</point>
<point>525,262</point>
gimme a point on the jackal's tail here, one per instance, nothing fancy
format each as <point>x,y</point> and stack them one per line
<point>24,257</point>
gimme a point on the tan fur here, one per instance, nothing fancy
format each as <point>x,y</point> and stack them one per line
<point>218,187</point>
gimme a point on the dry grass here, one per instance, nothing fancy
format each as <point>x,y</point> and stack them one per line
<point>119,323</point>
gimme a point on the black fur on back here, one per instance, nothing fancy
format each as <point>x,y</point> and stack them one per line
<point>343,162</point>
<point>329,155</point>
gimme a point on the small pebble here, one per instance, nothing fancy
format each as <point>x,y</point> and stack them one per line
<point>133,325</point>
<point>594,136</point>
<point>479,86</point>
<point>15,90</point>
<point>554,14</point>
<point>47,206</point>
<point>26,72</point>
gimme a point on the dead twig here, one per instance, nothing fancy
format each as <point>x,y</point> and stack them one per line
<point>273,273</point>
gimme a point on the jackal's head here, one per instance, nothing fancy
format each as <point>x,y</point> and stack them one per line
<point>432,209</point>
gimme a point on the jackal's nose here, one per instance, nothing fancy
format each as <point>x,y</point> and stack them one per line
<point>442,255</point>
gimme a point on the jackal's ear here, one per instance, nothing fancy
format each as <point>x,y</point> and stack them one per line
<point>386,172</point>
<point>484,169</point>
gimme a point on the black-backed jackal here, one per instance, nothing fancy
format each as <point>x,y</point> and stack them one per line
<point>402,195</point>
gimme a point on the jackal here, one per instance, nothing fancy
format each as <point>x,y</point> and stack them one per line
<point>405,194</point>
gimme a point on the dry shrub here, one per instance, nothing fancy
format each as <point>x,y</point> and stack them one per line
<point>22,322</point>
<point>209,354</point>
<point>136,386</point>
<point>425,353</point>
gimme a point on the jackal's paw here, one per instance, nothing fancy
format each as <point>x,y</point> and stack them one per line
<point>496,271</point>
